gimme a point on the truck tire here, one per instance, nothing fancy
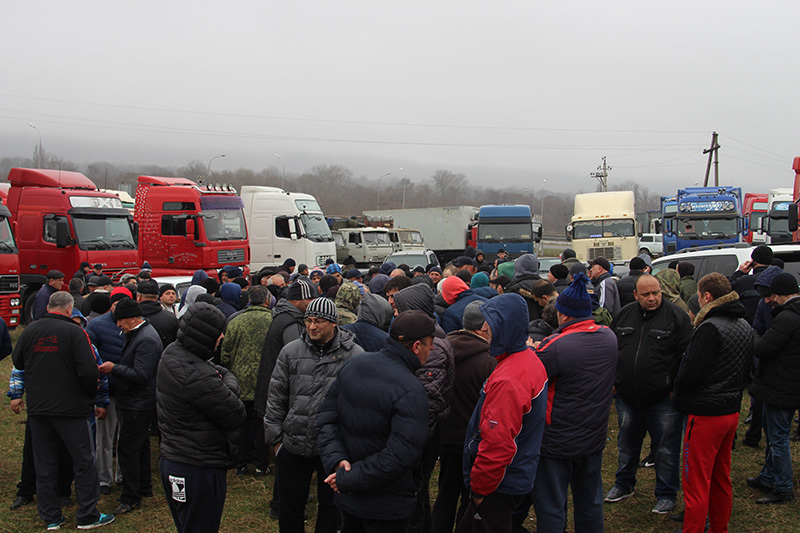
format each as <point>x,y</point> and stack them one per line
<point>644,251</point>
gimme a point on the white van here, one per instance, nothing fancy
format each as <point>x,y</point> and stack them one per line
<point>651,244</point>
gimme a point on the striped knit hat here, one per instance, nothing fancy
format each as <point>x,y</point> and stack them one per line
<point>323,308</point>
<point>300,289</point>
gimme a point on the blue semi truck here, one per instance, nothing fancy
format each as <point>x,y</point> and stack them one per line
<point>707,216</point>
<point>669,209</point>
<point>510,227</point>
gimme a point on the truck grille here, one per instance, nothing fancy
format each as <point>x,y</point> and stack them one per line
<point>9,284</point>
<point>230,256</point>
<point>612,253</point>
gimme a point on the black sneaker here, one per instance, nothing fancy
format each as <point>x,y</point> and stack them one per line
<point>20,501</point>
<point>776,497</point>
<point>241,470</point>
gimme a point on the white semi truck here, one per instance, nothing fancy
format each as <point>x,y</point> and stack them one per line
<point>285,225</point>
<point>604,225</point>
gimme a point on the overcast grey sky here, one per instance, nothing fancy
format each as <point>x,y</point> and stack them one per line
<point>510,93</point>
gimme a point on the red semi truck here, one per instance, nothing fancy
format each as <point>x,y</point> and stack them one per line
<point>9,270</point>
<point>61,219</point>
<point>184,227</point>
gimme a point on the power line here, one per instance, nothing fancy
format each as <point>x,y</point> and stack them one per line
<point>125,126</point>
<point>781,156</point>
<point>340,121</point>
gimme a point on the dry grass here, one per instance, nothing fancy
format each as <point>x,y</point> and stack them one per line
<point>247,510</point>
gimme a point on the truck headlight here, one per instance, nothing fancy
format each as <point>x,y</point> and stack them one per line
<point>14,302</point>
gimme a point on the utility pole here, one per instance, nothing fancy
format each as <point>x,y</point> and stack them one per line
<point>602,175</point>
<point>712,152</point>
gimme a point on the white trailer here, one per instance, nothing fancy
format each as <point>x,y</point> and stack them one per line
<point>444,229</point>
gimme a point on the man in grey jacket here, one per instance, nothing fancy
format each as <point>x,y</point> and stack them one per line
<point>305,369</point>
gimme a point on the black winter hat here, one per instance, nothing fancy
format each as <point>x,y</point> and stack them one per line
<point>127,308</point>
<point>762,255</point>
<point>560,271</point>
<point>637,263</point>
<point>164,288</point>
<point>147,287</point>
<point>784,284</point>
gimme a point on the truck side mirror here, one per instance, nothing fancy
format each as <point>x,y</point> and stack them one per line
<point>569,232</point>
<point>135,229</point>
<point>539,234</point>
<point>657,226</point>
<point>62,234</point>
<point>190,227</point>
<point>292,229</point>
<point>793,217</point>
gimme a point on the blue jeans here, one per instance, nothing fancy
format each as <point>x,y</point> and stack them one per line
<point>664,424</point>
<point>777,471</point>
<point>554,477</point>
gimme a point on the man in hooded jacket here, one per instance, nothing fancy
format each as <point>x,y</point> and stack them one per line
<point>199,413</point>
<point>526,272</point>
<point>457,295</point>
<point>502,446</point>
<point>374,316</point>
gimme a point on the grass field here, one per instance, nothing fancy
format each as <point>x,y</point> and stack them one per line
<point>247,510</point>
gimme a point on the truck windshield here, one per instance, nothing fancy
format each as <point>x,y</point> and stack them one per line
<point>411,237</point>
<point>224,224</point>
<point>7,244</point>
<point>316,227</point>
<point>707,228</point>
<point>595,229</point>
<point>96,232</point>
<point>376,238</point>
<point>517,232</point>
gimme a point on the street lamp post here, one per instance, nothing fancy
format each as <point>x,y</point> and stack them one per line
<point>405,183</point>
<point>283,172</point>
<point>208,171</point>
<point>378,205</point>
<point>39,151</point>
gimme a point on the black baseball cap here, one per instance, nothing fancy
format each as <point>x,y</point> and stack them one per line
<point>413,325</point>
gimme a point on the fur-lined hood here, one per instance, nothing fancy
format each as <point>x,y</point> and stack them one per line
<point>732,296</point>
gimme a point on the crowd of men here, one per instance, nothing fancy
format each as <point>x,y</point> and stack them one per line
<point>367,380</point>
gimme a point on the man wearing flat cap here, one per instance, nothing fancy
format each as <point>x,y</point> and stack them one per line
<point>135,376</point>
<point>55,280</point>
<point>372,426</point>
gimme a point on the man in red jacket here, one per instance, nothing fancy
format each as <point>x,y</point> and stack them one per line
<point>501,451</point>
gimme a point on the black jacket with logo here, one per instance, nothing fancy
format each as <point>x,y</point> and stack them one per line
<point>651,344</point>
<point>60,368</point>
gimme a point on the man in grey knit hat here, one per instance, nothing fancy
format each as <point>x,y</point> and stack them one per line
<point>305,369</point>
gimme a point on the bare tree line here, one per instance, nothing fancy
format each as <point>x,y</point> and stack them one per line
<point>339,192</point>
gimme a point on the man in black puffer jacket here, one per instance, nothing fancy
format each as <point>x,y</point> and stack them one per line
<point>777,385</point>
<point>199,414</point>
<point>652,334</point>
<point>372,426</point>
<point>709,389</point>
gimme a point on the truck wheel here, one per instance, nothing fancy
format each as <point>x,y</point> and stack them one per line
<point>644,251</point>
<point>27,309</point>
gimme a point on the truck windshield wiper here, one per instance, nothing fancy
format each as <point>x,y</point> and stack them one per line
<point>101,244</point>
<point>7,246</point>
<point>124,241</point>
